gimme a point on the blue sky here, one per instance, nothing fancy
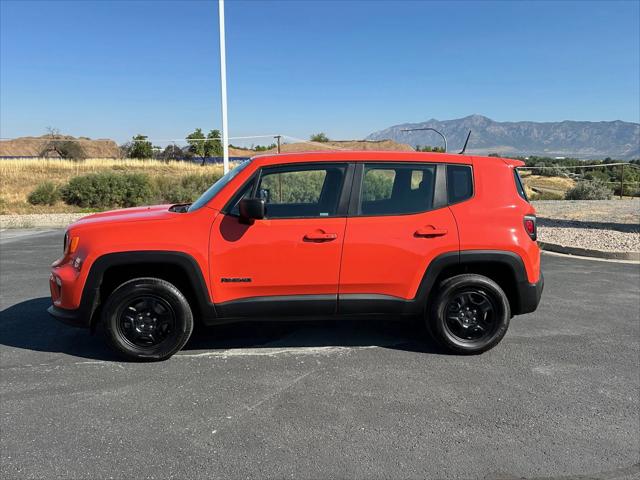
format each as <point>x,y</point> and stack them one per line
<point>118,68</point>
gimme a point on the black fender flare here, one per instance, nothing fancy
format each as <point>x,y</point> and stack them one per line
<point>511,260</point>
<point>90,299</point>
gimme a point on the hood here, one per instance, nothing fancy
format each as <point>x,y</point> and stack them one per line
<point>136,214</point>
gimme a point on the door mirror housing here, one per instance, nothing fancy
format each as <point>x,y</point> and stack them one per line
<point>251,209</point>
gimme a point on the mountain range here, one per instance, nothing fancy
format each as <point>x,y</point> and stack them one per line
<point>585,140</point>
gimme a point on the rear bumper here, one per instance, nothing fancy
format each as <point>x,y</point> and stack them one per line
<point>529,296</point>
<point>75,318</point>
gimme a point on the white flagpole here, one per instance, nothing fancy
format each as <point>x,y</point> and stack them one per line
<point>223,88</point>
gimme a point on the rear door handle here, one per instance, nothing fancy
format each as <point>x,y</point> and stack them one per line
<point>430,231</point>
<point>320,237</point>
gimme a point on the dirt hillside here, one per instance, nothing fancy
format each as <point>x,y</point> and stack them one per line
<point>343,145</point>
<point>33,146</point>
<point>105,148</point>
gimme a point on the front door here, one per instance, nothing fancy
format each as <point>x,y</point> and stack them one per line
<point>397,226</point>
<point>289,262</point>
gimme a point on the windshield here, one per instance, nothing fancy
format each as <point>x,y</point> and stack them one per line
<point>213,190</point>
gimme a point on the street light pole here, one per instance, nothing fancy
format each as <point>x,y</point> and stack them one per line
<point>223,89</point>
<point>431,129</point>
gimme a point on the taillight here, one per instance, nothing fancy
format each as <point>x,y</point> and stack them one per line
<point>530,226</point>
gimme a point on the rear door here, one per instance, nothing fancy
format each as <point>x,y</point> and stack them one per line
<point>398,223</point>
<point>288,263</point>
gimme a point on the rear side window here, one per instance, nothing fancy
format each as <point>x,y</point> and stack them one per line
<point>519,185</point>
<point>459,183</point>
<point>393,189</point>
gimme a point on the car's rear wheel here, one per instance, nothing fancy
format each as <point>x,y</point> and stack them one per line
<point>470,314</point>
<point>147,319</point>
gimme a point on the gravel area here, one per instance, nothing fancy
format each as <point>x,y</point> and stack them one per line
<point>605,225</point>
<point>39,220</point>
<point>592,239</point>
<point>624,212</point>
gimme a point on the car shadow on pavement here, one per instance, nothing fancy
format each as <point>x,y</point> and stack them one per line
<point>27,325</point>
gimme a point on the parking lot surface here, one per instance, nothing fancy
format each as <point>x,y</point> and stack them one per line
<point>558,398</point>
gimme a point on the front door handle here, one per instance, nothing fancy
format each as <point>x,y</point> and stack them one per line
<point>430,231</point>
<point>320,237</point>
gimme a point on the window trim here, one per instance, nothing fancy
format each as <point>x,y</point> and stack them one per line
<point>473,183</point>
<point>343,197</point>
<point>439,194</point>
<point>522,193</point>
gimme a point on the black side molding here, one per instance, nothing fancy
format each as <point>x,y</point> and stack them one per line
<point>285,305</point>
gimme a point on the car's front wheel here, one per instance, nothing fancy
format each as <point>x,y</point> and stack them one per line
<point>147,319</point>
<point>470,314</point>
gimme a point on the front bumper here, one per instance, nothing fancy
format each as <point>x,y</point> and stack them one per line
<point>70,306</point>
<point>529,296</point>
<point>75,318</point>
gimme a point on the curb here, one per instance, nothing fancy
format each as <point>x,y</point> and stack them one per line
<point>587,252</point>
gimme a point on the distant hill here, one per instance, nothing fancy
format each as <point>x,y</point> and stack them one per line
<point>34,146</point>
<point>586,140</point>
<point>334,145</point>
<point>105,148</point>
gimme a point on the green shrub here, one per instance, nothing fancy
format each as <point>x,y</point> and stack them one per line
<point>108,189</point>
<point>184,189</point>
<point>46,193</point>
<point>589,191</point>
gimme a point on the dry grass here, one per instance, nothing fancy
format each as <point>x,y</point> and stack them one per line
<point>20,177</point>
<point>553,185</point>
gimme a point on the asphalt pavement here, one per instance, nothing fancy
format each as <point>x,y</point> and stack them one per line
<point>559,397</point>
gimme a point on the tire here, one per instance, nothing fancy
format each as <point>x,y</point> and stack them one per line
<point>147,319</point>
<point>470,314</point>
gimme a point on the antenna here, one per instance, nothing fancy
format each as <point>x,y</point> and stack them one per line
<point>465,143</point>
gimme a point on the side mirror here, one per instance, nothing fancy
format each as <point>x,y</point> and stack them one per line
<point>265,194</point>
<point>251,209</point>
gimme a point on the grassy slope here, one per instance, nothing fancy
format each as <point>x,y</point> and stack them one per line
<point>20,177</point>
<point>553,185</point>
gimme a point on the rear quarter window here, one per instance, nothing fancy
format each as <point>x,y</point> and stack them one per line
<point>519,185</point>
<point>459,183</point>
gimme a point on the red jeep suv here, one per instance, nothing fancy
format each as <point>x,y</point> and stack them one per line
<point>450,239</point>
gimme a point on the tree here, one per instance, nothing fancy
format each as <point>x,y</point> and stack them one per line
<point>172,152</point>
<point>196,141</point>
<point>319,137</point>
<point>429,148</point>
<point>63,147</point>
<point>264,148</point>
<point>140,147</point>
<point>213,145</point>
<point>203,147</point>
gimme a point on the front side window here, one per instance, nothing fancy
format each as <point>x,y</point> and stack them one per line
<point>459,183</point>
<point>301,191</point>
<point>397,189</point>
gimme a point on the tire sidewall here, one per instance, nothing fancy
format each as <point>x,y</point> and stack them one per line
<point>127,292</point>
<point>449,288</point>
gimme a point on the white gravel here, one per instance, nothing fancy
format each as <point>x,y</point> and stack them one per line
<point>592,239</point>
<point>39,220</point>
